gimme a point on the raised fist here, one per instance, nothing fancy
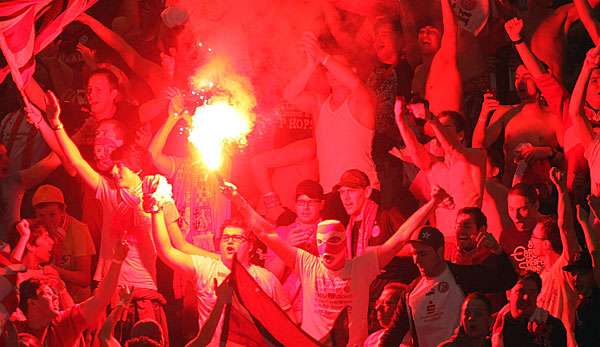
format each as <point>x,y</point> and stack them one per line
<point>513,28</point>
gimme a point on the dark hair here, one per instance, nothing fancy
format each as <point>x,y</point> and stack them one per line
<point>435,22</point>
<point>552,232</point>
<point>141,341</point>
<point>398,289</point>
<point>133,156</point>
<point>110,76</point>
<point>481,297</point>
<point>476,214</point>
<point>394,21</point>
<point>532,276</point>
<point>147,328</point>
<point>28,289</point>
<point>459,121</point>
<point>524,190</point>
<point>119,128</point>
<point>37,229</point>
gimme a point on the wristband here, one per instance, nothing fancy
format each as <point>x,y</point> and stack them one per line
<point>325,60</point>
<point>118,262</point>
<point>518,42</point>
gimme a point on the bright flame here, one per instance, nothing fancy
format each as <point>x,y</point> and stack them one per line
<point>226,118</point>
<point>214,126</point>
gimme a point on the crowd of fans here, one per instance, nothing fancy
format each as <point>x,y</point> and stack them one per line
<point>440,215</point>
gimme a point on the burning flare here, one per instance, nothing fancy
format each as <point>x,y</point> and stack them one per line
<point>225,118</point>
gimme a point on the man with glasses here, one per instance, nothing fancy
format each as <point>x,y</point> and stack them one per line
<point>301,234</point>
<point>207,269</point>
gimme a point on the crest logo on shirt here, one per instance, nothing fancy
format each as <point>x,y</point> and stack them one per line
<point>443,287</point>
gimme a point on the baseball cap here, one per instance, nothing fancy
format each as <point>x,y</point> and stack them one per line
<point>582,261</point>
<point>429,236</point>
<point>47,193</point>
<point>310,188</point>
<point>353,178</point>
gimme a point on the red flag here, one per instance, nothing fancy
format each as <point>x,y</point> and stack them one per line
<point>12,9</point>
<point>274,322</point>
<point>253,319</point>
<point>16,41</point>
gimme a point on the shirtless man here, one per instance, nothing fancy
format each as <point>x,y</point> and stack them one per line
<point>470,61</point>
<point>532,133</point>
<point>549,38</point>
<point>460,171</point>
<point>443,88</point>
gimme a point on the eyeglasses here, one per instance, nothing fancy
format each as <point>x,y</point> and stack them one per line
<point>307,203</point>
<point>235,238</point>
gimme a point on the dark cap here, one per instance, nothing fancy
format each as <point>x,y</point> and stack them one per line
<point>429,236</point>
<point>310,188</point>
<point>582,261</point>
<point>353,178</point>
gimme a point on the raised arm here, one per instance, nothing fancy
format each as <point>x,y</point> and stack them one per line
<point>106,333</point>
<point>394,244</point>
<point>590,232</point>
<point>419,155</point>
<point>35,117</point>
<point>180,243</point>
<point>443,88</point>
<point>565,215</point>
<point>263,230</point>
<point>149,71</point>
<point>361,102</point>
<point>295,91</point>
<point>585,132</point>
<point>24,233</point>
<point>92,308</point>
<point>163,162</point>
<point>482,135</point>
<point>72,154</point>
<point>449,42</point>
<point>513,28</point>
<point>584,10</point>
<point>448,141</point>
<point>173,257</point>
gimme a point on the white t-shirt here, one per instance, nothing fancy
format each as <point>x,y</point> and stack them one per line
<point>207,270</point>
<point>122,221</point>
<point>435,306</point>
<point>558,297</point>
<point>326,293</point>
<point>592,154</point>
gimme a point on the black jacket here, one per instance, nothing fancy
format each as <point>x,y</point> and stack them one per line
<point>495,274</point>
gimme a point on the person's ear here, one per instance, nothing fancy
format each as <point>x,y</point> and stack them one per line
<point>368,191</point>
